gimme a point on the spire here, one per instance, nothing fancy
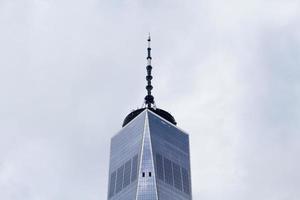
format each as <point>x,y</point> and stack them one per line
<point>149,99</point>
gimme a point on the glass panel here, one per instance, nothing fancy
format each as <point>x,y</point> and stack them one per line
<point>186,181</point>
<point>159,167</point>
<point>168,171</point>
<point>168,133</point>
<point>134,168</point>
<point>127,173</point>
<point>119,183</point>
<point>177,176</point>
<point>112,184</point>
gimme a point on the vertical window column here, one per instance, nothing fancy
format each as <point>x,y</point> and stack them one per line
<point>177,176</point>
<point>127,173</point>
<point>112,184</point>
<point>120,174</point>
<point>159,167</point>
<point>134,167</point>
<point>168,171</point>
<point>185,180</point>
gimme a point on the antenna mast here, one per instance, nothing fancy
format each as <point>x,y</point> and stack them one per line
<point>149,99</point>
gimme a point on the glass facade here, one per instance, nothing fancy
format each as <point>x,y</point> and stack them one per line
<point>171,147</point>
<point>125,148</point>
<point>146,184</point>
<point>149,160</point>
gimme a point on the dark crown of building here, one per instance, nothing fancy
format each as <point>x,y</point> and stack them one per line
<point>149,99</point>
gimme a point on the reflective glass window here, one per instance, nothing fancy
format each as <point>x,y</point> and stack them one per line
<point>177,176</point>
<point>119,183</point>
<point>134,168</point>
<point>186,181</point>
<point>168,171</point>
<point>112,184</point>
<point>159,167</point>
<point>127,173</point>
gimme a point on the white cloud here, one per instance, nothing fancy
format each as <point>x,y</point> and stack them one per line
<point>71,70</point>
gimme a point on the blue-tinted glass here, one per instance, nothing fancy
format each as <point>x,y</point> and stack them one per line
<point>119,183</point>
<point>159,167</point>
<point>124,146</point>
<point>127,173</point>
<point>168,171</point>
<point>177,176</point>
<point>186,181</point>
<point>134,168</point>
<point>112,184</point>
<point>168,133</point>
<point>167,144</point>
<point>173,144</point>
<point>147,185</point>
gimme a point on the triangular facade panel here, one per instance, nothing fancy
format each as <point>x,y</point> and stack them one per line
<point>147,189</point>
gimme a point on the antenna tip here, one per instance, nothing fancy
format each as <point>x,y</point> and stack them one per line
<point>149,37</point>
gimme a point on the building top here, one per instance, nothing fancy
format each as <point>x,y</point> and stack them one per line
<point>162,113</point>
<point>149,99</point>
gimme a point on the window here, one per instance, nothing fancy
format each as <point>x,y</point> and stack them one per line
<point>186,181</point>
<point>159,167</point>
<point>143,174</point>
<point>119,183</point>
<point>168,171</point>
<point>172,173</point>
<point>112,184</point>
<point>177,176</point>
<point>134,168</point>
<point>149,174</point>
<point>127,173</point>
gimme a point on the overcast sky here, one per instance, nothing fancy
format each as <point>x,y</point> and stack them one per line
<point>229,72</point>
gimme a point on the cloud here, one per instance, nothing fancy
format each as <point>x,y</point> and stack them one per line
<point>70,71</point>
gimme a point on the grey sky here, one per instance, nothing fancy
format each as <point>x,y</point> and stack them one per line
<point>70,71</point>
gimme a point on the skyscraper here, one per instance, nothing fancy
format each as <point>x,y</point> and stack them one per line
<point>149,156</point>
